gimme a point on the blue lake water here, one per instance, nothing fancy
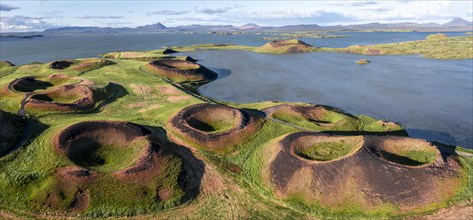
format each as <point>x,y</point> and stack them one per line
<point>433,99</point>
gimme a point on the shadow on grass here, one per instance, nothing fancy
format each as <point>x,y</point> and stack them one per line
<point>193,169</point>
<point>109,94</point>
<point>32,129</point>
<point>400,159</point>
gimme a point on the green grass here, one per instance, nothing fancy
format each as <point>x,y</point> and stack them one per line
<point>411,157</point>
<point>324,151</point>
<point>107,158</point>
<point>334,120</point>
<point>212,126</point>
<point>58,98</point>
<point>421,156</point>
<point>6,68</point>
<point>435,46</point>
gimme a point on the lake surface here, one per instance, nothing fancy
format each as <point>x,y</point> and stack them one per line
<point>54,47</point>
<point>431,98</point>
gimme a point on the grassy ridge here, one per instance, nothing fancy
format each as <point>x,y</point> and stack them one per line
<point>434,46</point>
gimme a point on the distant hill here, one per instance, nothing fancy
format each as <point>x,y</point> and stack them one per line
<point>151,27</point>
<point>299,27</point>
<point>71,30</point>
<point>456,24</point>
<point>251,26</point>
<point>203,28</point>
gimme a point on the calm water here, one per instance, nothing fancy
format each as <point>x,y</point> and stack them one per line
<point>49,48</point>
<point>431,98</point>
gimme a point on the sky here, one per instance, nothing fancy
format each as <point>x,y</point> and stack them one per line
<point>43,14</point>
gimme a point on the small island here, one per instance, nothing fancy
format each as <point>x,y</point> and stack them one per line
<point>362,62</point>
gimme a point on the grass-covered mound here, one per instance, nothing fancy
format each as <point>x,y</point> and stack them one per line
<point>358,181</point>
<point>140,55</point>
<point>405,151</point>
<point>324,118</point>
<point>12,129</point>
<point>81,65</point>
<point>437,46</point>
<point>63,98</point>
<point>286,46</point>
<point>435,37</point>
<point>6,67</point>
<point>117,166</point>
<point>180,70</point>
<point>5,64</point>
<point>214,127</point>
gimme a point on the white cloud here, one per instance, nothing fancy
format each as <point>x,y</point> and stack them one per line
<point>167,12</point>
<point>406,11</point>
<point>23,23</point>
<point>203,10</point>
<point>99,17</point>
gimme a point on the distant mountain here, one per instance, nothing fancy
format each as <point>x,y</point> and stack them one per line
<point>91,30</point>
<point>299,27</point>
<point>203,28</point>
<point>151,27</point>
<point>250,26</point>
<point>384,27</point>
<point>458,22</point>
